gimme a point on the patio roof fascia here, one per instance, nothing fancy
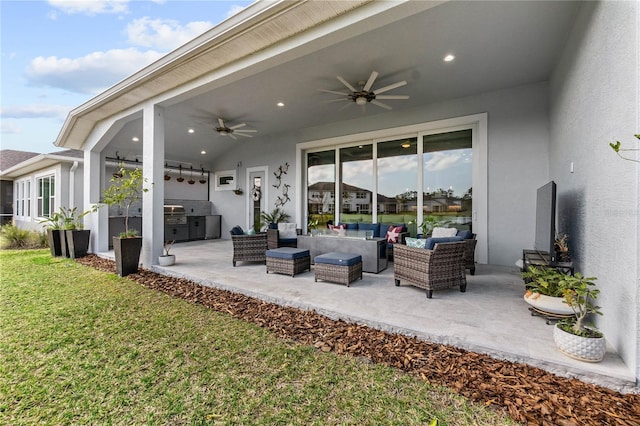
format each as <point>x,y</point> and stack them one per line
<point>37,163</point>
<point>260,25</point>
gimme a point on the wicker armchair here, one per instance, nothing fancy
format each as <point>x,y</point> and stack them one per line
<point>274,240</point>
<point>470,254</point>
<point>249,248</point>
<point>436,269</point>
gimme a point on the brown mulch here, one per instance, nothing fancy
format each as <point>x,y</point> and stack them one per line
<point>530,395</point>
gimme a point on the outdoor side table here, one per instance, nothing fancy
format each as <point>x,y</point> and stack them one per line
<point>288,260</point>
<point>341,268</point>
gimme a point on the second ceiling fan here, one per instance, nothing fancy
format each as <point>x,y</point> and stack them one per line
<point>233,131</point>
<point>366,94</point>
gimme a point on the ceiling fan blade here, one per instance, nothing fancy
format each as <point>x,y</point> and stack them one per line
<point>392,97</point>
<point>346,83</point>
<point>338,100</point>
<point>231,135</point>
<point>369,83</point>
<point>380,104</point>
<point>347,105</point>
<point>245,131</point>
<point>390,87</point>
<point>334,92</point>
<point>242,134</point>
<point>221,122</point>
<point>237,126</point>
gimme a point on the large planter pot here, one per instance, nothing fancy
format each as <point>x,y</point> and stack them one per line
<point>77,242</point>
<point>548,305</point>
<point>127,253</point>
<point>64,247</point>
<point>53,238</point>
<point>589,349</point>
<point>167,260</point>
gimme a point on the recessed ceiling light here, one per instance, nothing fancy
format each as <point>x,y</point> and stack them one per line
<point>449,58</point>
<point>190,130</point>
<point>203,152</point>
<point>280,104</point>
<point>135,139</point>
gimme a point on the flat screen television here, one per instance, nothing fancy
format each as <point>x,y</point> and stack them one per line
<point>546,219</point>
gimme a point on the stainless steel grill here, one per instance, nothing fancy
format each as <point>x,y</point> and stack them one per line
<point>175,215</point>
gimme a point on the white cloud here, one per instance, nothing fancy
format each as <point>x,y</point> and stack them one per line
<point>89,7</point>
<point>441,161</point>
<point>163,34</point>
<point>89,74</point>
<point>9,128</point>
<point>35,111</point>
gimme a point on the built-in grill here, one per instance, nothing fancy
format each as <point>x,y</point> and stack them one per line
<point>174,215</point>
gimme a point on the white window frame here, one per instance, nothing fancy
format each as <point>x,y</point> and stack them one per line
<point>53,203</point>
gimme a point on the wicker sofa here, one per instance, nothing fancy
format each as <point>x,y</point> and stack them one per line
<point>436,269</point>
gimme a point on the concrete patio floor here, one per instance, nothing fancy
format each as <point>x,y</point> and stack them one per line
<point>491,317</point>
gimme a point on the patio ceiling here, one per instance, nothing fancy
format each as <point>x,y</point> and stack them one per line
<point>496,44</point>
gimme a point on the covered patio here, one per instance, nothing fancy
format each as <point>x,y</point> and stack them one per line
<point>491,317</point>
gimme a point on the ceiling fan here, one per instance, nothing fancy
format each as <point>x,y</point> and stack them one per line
<point>233,131</point>
<point>366,94</point>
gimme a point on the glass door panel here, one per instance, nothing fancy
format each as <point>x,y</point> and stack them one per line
<point>321,181</point>
<point>356,183</point>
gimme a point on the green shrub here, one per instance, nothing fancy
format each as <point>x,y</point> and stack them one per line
<point>14,238</point>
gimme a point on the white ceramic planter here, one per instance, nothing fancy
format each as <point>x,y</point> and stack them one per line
<point>589,349</point>
<point>167,260</point>
<point>554,306</point>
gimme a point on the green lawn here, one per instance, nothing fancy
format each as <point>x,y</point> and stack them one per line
<point>79,346</point>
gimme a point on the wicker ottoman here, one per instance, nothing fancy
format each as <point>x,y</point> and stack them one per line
<point>288,260</point>
<point>341,268</point>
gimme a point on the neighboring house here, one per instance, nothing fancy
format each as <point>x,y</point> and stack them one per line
<point>8,159</point>
<point>538,88</point>
<point>42,183</point>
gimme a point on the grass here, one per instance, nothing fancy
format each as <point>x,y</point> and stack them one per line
<point>79,346</point>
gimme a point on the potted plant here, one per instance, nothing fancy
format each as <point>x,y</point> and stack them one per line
<point>561,246</point>
<point>167,259</point>
<point>126,188</point>
<point>274,217</point>
<point>573,336</point>
<point>545,291</point>
<point>53,225</point>
<point>76,238</point>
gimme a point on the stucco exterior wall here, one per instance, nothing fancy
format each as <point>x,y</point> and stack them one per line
<point>518,149</point>
<point>598,202</point>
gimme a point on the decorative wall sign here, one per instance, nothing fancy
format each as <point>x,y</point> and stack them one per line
<point>225,180</point>
<point>284,199</point>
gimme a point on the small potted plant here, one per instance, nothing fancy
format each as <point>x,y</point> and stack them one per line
<point>573,336</point>
<point>561,246</point>
<point>274,217</point>
<point>126,188</point>
<point>167,259</point>
<point>545,291</point>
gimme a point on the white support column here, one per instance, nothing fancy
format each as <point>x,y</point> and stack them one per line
<point>97,222</point>
<point>153,171</point>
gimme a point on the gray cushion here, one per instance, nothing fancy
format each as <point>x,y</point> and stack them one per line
<point>431,242</point>
<point>465,234</point>
<point>236,230</point>
<point>333,258</point>
<point>287,253</point>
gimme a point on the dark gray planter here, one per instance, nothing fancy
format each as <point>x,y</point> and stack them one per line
<point>53,238</point>
<point>77,242</point>
<point>127,253</point>
<point>64,247</point>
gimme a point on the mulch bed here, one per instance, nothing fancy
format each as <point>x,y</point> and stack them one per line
<point>529,395</point>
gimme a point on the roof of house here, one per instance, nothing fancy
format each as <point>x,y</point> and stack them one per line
<point>11,157</point>
<point>20,163</point>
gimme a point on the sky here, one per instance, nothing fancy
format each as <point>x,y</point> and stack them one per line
<point>57,54</point>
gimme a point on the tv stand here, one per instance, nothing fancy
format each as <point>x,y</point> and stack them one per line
<point>542,259</point>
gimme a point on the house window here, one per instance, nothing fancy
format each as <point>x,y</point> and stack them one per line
<point>23,198</point>
<point>46,196</point>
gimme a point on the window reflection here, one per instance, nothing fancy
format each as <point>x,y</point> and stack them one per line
<point>356,186</point>
<point>321,178</point>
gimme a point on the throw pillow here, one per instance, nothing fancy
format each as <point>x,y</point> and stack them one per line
<point>466,234</point>
<point>339,230</point>
<point>251,231</point>
<point>237,230</point>
<point>443,232</point>
<point>430,243</point>
<point>415,242</point>
<point>287,230</point>
<point>393,234</point>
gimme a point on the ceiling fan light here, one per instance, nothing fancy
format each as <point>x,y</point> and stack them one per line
<point>361,100</point>
<point>223,132</point>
